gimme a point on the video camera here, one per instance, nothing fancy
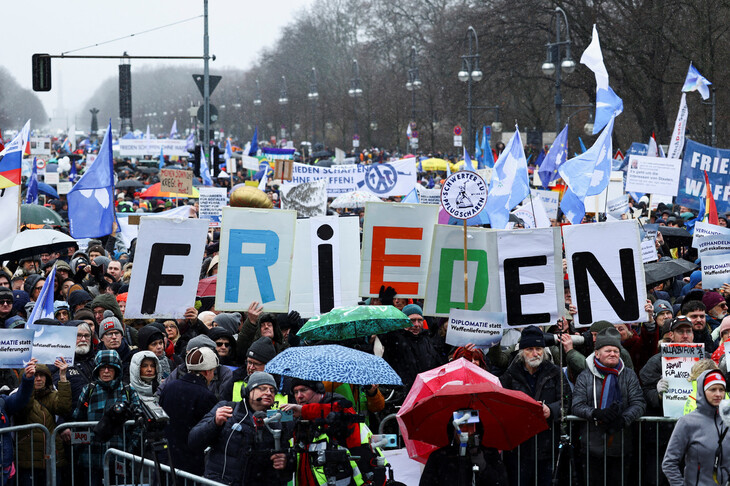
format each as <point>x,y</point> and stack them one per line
<point>554,339</point>
<point>148,414</point>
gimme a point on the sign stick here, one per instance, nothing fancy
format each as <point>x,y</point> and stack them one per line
<point>466,274</point>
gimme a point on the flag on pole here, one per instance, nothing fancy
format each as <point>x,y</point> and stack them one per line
<point>264,180</point>
<point>448,168</point>
<point>468,165</point>
<point>190,142</point>
<point>412,197</point>
<point>43,308</point>
<point>204,171</point>
<point>228,156</point>
<point>161,165</point>
<point>710,215</point>
<point>173,130</point>
<point>652,150</point>
<point>32,193</point>
<point>510,182</point>
<point>91,201</point>
<point>608,103</point>
<point>11,158</point>
<point>254,143</point>
<point>696,82</point>
<point>477,150</point>
<point>409,132</point>
<point>72,171</point>
<point>676,143</point>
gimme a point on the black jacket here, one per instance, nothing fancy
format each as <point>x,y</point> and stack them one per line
<point>446,467</point>
<point>409,355</point>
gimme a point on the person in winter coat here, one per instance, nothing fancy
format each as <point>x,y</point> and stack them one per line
<point>151,338</point>
<point>257,325</point>
<point>239,455</point>
<point>10,405</point>
<point>81,373</point>
<point>144,374</point>
<point>187,400</point>
<point>531,373</point>
<point>225,345</point>
<point>608,395</point>
<point>42,408</point>
<point>699,438</point>
<point>111,334</point>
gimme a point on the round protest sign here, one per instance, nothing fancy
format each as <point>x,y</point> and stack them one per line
<point>464,194</point>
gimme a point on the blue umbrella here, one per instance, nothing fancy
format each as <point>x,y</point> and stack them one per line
<point>47,190</point>
<point>333,363</point>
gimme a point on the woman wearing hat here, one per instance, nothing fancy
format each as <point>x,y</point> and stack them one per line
<point>700,439</point>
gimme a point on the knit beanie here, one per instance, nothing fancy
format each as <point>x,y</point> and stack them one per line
<point>711,299</point>
<point>599,326</point>
<point>413,309</point>
<point>661,306</point>
<point>109,323</point>
<point>532,337</point>
<point>200,341</point>
<point>608,337</point>
<point>258,378</point>
<point>713,378</point>
<point>262,350</point>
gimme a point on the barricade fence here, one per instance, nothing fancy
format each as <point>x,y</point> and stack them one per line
<point>149,473</point>
<point>587,457</point>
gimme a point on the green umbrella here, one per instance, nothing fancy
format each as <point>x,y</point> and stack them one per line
<point>37,214</point>
<point>351,322</point>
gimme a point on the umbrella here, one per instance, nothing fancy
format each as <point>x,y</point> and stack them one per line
<point>675,237</point>
<point>322,154</point>
<point>37,214</point>
<point>333,363</point>
<point>129,184</point>
<point>460,371</point>
<point>154,191</point>
<point>206,286</point>
<point>354,199</point>
<point>148,170</point>
<point>433,164</point>
<point>47,190</point>
<point>509,417</point>
<point>666,269</point>
<point>33,242</point>
<point>351,322</point>
<point>325,163</point>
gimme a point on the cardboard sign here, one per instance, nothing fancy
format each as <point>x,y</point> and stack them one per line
<point>166,267</point>
<point>16,347</point>
<point>396,245</point>
<point>677,362</point>
<point>283,169</point>
<point>703,229</point>
<point>176,181</point>
<point>648,251</point>
<point>445,289</point>
<point>606,272</point>
<point>653,175</point>
<point>482,329</point>
<point>464,195</point>
<point>211,203</point>
<point>52,342</point>
<point>64,187</point>
<point>714,252</point>
<point>530,269</point>
<point>326,254</point>
<point>308,199</point>
<point>256,249</point>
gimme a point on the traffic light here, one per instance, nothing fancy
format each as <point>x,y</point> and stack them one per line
<point>196,160</point>
<point>41,72</point>
<point>216,156</point>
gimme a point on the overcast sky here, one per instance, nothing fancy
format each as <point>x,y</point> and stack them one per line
<point>239,30</point>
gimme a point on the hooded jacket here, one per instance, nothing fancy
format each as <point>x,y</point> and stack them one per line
<point>695,440</point>
<point>149,334</point>
<point>216,333</point>
<point>145,389</point>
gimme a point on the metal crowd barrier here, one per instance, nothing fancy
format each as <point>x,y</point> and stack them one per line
<point>49,459</point>
<point>152,476</point>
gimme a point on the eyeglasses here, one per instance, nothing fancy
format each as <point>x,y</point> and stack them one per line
<point>224,344</point>
<point>113,334</point>
<point>38,288</point>
<point>83,336</point>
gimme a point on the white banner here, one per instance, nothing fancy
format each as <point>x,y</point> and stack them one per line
<point>482,329</point>
<point>714,252</point>
<point>166,267</point>
<point>428,196</point>
<point>618,206</point>
<point>703,229</point>
<point>676,143</point>
<point>250,163</point>
<point>648,251</point>
<point>211,203</point>
<point>142,147</point>
<point>653,175</point>
<point>677,362</point>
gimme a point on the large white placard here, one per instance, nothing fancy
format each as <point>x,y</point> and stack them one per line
<point>396,245</point>
<point>606,272</point>
<point>677,362</point>
<point>9,202</point>
<point>142,147</point>
<point>211,203</point>
<point>308,199</point>
<point>530,276</point>
<point>166,267</point>
<point>326,255</point>
<point>703,229</point>
<point>653,175</point>
<point>53,342</point>
<point>714,252</point>
<point>16,347</point>
<point>256,250</point>
<point>482,329</point>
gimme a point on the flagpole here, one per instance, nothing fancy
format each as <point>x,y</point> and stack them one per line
<point>466,274</point>
<point>532,205</point>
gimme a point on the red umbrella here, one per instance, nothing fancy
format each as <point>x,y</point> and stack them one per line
<point>509,417</point>
<point>206,286</point>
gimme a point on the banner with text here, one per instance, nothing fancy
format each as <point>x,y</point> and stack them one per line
<point>16,347</point>
<point>653,175</point>
<point>697,159</point>
<point>677,362</point>
<point>142,147</point>
<point>483,329</point>
<point>53,342</point>
<point>211,203</point>
<point>714,252</point>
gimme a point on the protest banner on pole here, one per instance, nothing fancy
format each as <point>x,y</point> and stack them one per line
<point>166,267</point>
<point>677,362</point>
<point>697,159</point>
<point>610,254</point>
<point>703,229</point>
<point>714,252</point>
<point>256,248</point>
<point>653,175</point>
<point>16,347</point>
<point>52,342</point>
<point>482,329</point>
<point>308,199</point>
<point>142,147</point>
<point>396,244</point>
<point>326,255</point>
<point>211,203</point>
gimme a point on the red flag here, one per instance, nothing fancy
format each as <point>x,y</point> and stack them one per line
<point>710,208</point>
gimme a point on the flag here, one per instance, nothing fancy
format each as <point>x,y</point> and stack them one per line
<point>477,150</point>
<point>264,180</point>
<point>409,133</point>
<point>254,142</point>
<point>431,182</point>
<point>573,207</point>
<point>72,172</point>
<point>652,151</point>
<point>420,164</point>
<point>412,197</point>
<point>43,308</point>
<point>228,155</point>
<point>173,130</point>
<point>676,143</point>
<point>66,146</point>
<point>91,201</point>
<point>486,160</point>
<point>582,145</point>
<point>448,168</point>
<point>696,82</point>
<point>509,184</point>
<point>710,215</point>
<point>190,142</point>
<point>588,174</point>
<point>608,103</point>
<point>204,171</point>
<point>2,145</point>
<point>32,194</point>
<point>161,165</point>
<point>11,158</point>
<point>467,162</point>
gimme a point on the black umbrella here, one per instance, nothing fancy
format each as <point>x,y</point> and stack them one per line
<point>129,184</point>
<point>148,170</point>
<point>322,154</point>
<point>666,269</point>
<point>325,163</point>
<point>675,237</point>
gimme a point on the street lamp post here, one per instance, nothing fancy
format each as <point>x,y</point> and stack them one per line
<point>413,84</point>
<point>283,101</point>
<point>313,96</point>
<point>355,92</point>
<point>469,74</point>
<point>554,58</point>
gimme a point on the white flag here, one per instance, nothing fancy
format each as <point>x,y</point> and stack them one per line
<point>676,143</point>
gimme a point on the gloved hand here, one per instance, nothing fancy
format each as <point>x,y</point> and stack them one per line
<point>293,319</point>
<point>386,295</point>
<point>662,386</point>
<point>612,413</point>
<point>599,414</point>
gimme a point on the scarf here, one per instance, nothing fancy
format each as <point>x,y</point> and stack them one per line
<point>611,391</point>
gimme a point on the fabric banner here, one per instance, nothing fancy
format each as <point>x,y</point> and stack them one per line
<point>714,252</point>
<point>677,362</point>
<point>142,147</point>
<point>699,158</point>
<point>308,199</point>
<point>482,329</point>
<point>16,347</point>
<point>211,203</point>
<point>676,143</point>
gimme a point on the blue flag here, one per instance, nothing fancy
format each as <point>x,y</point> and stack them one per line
<point>510,182</point>
<point>486,152</point>
<point>696,82</point>
<point>477,150</point>
<point>43,308</point>
<point>557,154</point>
<point>190,142</point>
<point>72,172</point>
<point>420,164</point>
<point>254,142</point>
<point>589,173</point>
<point>412,197</point>
<point>32,195</point>
<point>173,130</point>
<point>608,104</point>
<point>161,165</point>
<point>204,171</point>
<point>431,182</point>
<point>467,162</point>
<point>91,201</point>
<point>582,145</point>
<point>573,207</point>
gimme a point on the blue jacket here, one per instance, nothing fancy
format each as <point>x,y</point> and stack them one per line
<point>10,405</point>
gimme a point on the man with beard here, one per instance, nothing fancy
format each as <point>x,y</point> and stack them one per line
<point>81,373</point>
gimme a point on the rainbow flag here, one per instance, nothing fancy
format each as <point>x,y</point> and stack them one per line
<point>11,158</point>
<point>710,215</point>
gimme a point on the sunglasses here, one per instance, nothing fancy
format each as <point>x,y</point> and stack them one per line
<point>224,344</point>
<point>6,302</point>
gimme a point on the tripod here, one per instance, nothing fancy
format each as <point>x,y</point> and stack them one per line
<point>155,443</point>
<point>565,449</point>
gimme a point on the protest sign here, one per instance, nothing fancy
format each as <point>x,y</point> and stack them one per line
<point>256,248</point>
<point>16,347</point>
<point>9,202</point>
<point>699,158</point>
<point>283,169</point>
<point>142,147</point>
<point>176,181</point>
<point>703,229</point>
<point>648,251</point>
<point>530,267</point>
<point>550,200</point>
<point>51,178</point>
<point>464,195</point>
<point>533,213</point>
<point>714,252</point>
<point>211,203</point>
<point>52,342</point>
<point>396,245</point>
<point>482,329</point>
<point>166,267</point>
<point>64,187</point>
<point>40,145</point>
<point>250,163</point>
<point>610,254</point>
<point>618,206</point>
<point>326,254</point>
<point>445,288</point>
<point>428,196</point>
<point>677,362</point>
<point>654,175</point>
<point>308,199</point>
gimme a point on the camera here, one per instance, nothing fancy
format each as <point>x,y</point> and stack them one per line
<point>554,339</point>
<point>148,414</point>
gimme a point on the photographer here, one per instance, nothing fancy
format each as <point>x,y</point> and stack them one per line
<point>10,405</point>
<point>242,452</point>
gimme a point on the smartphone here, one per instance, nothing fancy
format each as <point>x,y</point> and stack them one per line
<point>286,415</point>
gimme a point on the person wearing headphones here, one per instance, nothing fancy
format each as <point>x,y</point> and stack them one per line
<point>243,449</point>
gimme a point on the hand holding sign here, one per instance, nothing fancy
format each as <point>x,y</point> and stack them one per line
<point>62,366</point>
<point>30,368</point>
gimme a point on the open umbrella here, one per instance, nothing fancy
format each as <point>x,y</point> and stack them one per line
<point>354,199</point>
<point>47,190</point>
<point>433,164</point>
<point>206,286</point>
<point>351,322</point>
<point>675,237</point>
<point>33,242</point>
<point>325,163</point>
<point>333,363</point>
<point>154,191</point>
<point>41,215</point>
<point>129,184</point>
<point>666,269</point>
